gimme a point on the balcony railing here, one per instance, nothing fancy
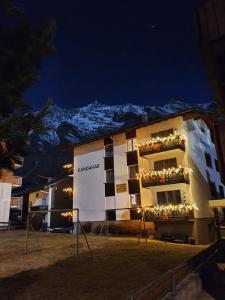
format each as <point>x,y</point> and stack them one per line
<point>163,177</point>
<point>156,145</point>
<point>169,215</point>
<point>17,181</point>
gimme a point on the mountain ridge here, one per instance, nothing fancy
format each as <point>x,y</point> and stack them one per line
<point>45,156</point>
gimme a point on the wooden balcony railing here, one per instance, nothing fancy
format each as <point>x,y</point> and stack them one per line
<point>157,145</point>
<point>169,215</point>
<point>172,178</point>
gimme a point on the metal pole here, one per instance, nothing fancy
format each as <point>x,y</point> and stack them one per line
<point>107,225</point>
<point>77,235</point>
<point>27,229</point>
<point>82,229</point>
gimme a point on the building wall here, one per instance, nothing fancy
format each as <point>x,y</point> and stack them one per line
<point>121,176</point>
<point>149,196</point>
<point>197,143</point>
<point>5,199</point>
<point>89,190</point>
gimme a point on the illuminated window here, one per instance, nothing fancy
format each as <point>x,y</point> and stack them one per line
<point>131,145</point>
<point>165,164</point>
<point>169,197</point>
<point>163,133</point>
<point>135,200</point>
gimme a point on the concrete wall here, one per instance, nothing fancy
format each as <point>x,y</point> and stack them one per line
<point>5,199</point>
<point>89,190</point>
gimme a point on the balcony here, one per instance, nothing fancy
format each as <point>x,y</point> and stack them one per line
<point>16,181</point>
<point>162,213</point>
<point>157,145</point>
<point>164,177</point>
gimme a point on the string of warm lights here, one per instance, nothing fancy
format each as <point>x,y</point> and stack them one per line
<point>68,166</point>
<point>185,207</point>
<point>165,172</point>
<point>160,140</point>
<point>67,214</point>
<point>68,190</point>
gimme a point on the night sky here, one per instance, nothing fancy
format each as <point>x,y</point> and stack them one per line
<point>143,52</point>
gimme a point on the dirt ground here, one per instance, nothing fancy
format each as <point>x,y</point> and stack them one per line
<point>120,266</point>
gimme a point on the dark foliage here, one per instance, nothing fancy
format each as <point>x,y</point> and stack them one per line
<point>23,48</point>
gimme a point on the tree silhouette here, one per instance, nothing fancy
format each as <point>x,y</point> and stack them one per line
<point>23,48</point>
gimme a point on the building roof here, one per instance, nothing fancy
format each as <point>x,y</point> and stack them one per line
<point>21,192</point>
<point>192,112</point>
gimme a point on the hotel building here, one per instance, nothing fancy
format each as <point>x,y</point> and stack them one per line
<point>168,166</point>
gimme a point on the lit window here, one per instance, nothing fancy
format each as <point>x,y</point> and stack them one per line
<point>135,200</point>
<point>169,197</point>
<point>165,164</point>
<point>131,145</point>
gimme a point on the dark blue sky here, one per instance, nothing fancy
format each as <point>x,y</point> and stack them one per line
<point>117,51</point>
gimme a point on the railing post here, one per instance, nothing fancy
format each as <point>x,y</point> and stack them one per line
<point>173,282</point>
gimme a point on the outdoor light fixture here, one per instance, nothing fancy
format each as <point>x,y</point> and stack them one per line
<point>68,190</point>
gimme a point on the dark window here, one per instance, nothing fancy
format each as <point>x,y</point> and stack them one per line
<point>216,165</point>
<point>163,133</point>
<point>169,197</point>
<point>132,171</point>
<point>135,200</point>
<point>165,164</point>
<point>134,186</point>
<point>221,191</point>
<point>111,214</point>
<point>213,189</point>
<point>108,141</point>
<point>131,134</point>
<point>109,163</point>
<point>109,176</point>
<point>132,158</point>
<point>109,150</point>
<point>109,189</point>
<point>202,129</point>
<point>208,159</point>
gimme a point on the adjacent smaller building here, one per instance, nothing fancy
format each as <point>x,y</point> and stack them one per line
<point>7,182</point>
<point>55,195</point>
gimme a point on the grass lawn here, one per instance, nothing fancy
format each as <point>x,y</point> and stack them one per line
<point>120,266</point>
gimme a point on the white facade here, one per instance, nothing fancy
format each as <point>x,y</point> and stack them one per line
<point>90,175</point>
<point>5,199</point>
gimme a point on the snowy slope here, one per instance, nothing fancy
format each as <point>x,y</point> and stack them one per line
<point>97,118</point>
<point>46,156</point>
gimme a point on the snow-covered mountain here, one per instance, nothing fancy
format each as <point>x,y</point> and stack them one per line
<point>69,126</point>
<point>74,125</point>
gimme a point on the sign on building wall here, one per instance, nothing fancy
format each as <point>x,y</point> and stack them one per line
<point>121,188</point>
